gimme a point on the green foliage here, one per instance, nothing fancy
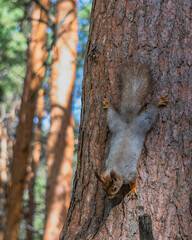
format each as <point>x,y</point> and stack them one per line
<point>84,11</point>
<point>13,46</point>
<point>83,25</point>
<point>39,199</point>
<point>23,223</point>
<point>39,192</point>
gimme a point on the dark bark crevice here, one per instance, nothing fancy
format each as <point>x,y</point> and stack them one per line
<point>145,227</point>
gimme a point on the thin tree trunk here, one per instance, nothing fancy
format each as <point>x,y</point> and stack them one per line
<point>3,174</point>
<point>35,72</point>
<point>156,33</point>
<point>60,142</point>
<point>36,153</point>
<point>3,156</point>
<point>6,143</point>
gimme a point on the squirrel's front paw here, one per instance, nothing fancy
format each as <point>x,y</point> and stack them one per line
<point>105,103</point>
<point>163,101</point>
<point>132,193</point>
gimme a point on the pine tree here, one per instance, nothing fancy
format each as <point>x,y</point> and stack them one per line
<point>156,33</point>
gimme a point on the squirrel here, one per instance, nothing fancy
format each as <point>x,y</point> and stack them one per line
<point>129,128</point>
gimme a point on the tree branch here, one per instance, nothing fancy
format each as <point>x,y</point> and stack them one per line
<point>59,25</point>
<point>38,20</point>
<point>50,16</point>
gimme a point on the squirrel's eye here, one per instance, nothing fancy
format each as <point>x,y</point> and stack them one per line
<point>114,189</point>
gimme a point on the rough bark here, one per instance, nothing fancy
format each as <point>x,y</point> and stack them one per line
<point>35,72</point>
<point>60,142</point>
<point>156,33</point>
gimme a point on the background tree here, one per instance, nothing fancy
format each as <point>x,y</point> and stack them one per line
<point>34,75</point>
<point>15,29</point>
<point>3,173</point>
<point>3,157</point>
<point>12,70</point>
<point>158,34</point>
<point>60,141</point>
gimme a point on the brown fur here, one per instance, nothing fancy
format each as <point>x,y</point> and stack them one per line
<point>111,183</point>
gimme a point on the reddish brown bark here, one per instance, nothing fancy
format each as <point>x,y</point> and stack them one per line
<point>156,33</point>
<point>60,142</point>
<point>34,75</point>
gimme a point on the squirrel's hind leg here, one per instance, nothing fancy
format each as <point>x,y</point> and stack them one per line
<point>132,193</point>
<point>114,121</point>
<point>146,119</point>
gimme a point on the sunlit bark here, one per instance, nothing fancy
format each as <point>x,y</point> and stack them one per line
<point>35,72</point>
<point>156,33</point>
<point>60,142</point>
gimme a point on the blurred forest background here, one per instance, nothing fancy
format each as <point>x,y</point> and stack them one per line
<point>40,59</point>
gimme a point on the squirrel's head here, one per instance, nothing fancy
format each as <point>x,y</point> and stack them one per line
<point>111,183</point>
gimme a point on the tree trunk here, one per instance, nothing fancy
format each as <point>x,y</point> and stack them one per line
<point>35,72</point>
<point>60,142</point>
<point>156,33</point>
<point>3,173</point>
<point>3,157</point>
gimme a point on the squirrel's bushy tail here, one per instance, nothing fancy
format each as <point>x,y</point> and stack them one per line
<point>134,84</point>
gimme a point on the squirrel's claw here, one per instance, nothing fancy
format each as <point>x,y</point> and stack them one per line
<point>105,103</point>
<point>163,101</point>
<point>132,193</point>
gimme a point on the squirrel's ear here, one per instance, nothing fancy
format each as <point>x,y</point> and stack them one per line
<point>101,177</point>
<point>114,176</point>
